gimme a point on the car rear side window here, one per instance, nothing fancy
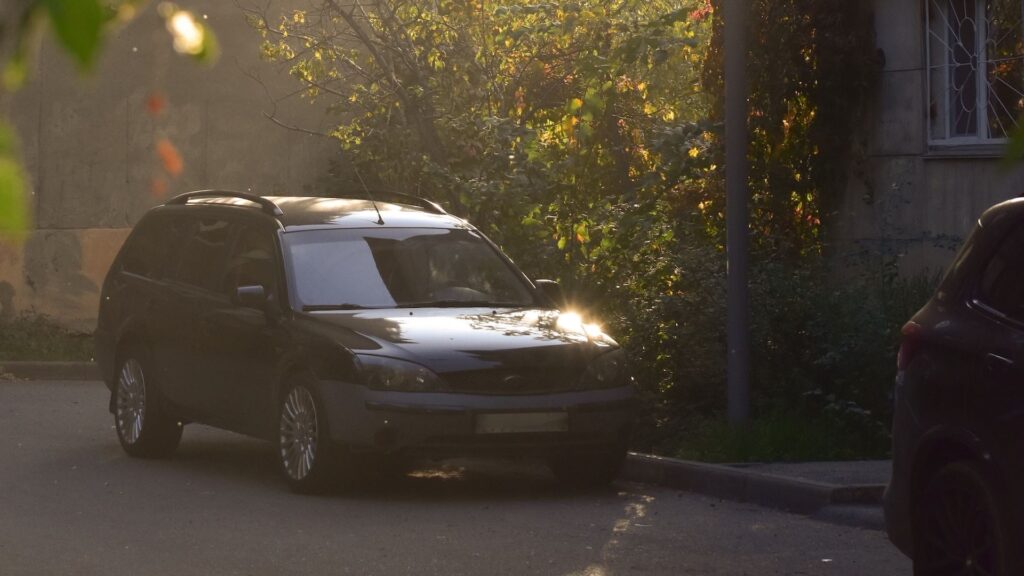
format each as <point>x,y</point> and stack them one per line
<point>1002,281</point>
<point>203,254</point>
<point>252,261</point>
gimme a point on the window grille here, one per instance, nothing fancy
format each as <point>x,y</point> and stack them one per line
<point>975,55</point>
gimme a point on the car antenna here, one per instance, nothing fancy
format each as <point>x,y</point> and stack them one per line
<point>380,219</point>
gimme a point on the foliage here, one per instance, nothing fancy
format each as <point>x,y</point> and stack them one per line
<point>79,27</point>
<point>540,113</point>
<point>31,336</point>
<point>584,137</point>
<point>811,65</point>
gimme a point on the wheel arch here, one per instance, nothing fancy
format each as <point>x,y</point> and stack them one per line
<point>939,449</point>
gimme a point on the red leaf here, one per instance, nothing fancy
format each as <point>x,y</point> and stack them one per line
<point>169,157</point>
<point>158,188</point>
<point>155,104</point>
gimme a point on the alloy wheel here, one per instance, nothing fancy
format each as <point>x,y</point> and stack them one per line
<point>131,401</point>
<point>298,433</point>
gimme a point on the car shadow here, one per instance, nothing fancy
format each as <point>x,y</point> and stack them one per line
<point>208,453</point>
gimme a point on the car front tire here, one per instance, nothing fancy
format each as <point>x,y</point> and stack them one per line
<point>306,456</point>
<point>143,429</point>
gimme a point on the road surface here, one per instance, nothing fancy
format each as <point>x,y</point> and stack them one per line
<point>71,502</point>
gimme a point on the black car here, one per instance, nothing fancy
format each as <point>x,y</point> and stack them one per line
<point>345,329</point>
<point>955,502</point>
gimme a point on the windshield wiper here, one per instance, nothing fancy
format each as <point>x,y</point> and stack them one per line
<point>462,304</point>
<point>319,307</point>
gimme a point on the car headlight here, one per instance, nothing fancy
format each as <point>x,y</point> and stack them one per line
<point>383,373</point>
<point>609,370</point>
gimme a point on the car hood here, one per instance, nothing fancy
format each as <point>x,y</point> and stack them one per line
<point>461,339</point>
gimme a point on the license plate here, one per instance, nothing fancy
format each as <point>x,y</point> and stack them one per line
<point>522,423</point>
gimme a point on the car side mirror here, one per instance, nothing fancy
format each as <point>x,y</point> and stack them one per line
<point>551,291</point>
<point>254,296</point>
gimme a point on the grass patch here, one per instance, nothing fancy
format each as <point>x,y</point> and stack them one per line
<point>31,336</point>
<point>783,438</point>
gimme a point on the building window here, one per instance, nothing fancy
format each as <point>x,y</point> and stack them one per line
<point>975,54</point>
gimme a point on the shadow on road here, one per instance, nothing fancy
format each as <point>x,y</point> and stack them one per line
<point>208,455</point>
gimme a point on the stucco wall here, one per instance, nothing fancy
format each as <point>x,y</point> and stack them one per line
<point>88,144</point>
<point>901,195</point>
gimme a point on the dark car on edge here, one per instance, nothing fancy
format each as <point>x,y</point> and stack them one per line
<point>955,502</point>
<point>347,329</point>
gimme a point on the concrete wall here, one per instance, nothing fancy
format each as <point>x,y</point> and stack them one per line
<point>88,144</point>
<point>902,195</point>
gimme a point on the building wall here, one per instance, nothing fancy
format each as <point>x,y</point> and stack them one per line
<point>902,196</point>
<point>88,144</point>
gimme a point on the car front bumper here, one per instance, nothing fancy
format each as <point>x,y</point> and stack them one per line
<point>447,424</point>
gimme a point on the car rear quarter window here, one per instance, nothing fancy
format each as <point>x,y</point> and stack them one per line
<point>151,248</point>
<point>1002,280</point>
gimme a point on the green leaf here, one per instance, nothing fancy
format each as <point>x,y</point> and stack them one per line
<point>211,48</point>
<point>78,25</point>
<point>13,211</point>
<point>1015,147</point>
<point>13,214</point>
<point>15,71</point>
<point>194,38</point>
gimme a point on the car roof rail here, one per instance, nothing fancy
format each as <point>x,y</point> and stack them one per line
<point>265,204</point>
<point>402,198</point>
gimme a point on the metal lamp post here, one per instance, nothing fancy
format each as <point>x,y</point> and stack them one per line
<point>737,210</point>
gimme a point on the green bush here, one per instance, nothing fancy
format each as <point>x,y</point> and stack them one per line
<point>779,437</point>
<point>824,345</point>
<point>31,336</point>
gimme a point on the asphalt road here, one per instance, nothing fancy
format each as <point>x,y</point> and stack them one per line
<point>71,502</point>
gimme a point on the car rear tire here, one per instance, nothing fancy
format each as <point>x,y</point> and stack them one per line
<point>143,428</point>
<point>959,526</point>
<point>589,469</point>
<point>307,458</point>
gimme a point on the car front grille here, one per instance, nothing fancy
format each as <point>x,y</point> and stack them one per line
<point>514,382</point>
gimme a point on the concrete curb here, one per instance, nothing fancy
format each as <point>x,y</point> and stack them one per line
<point>51,370</point>
<point>816,499</point>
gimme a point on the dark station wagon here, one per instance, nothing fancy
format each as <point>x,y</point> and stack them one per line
<point>347,330</point>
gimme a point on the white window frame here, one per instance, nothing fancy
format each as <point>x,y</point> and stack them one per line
<point>981,79</point>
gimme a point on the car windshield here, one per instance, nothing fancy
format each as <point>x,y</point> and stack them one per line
<point>400,267</point>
